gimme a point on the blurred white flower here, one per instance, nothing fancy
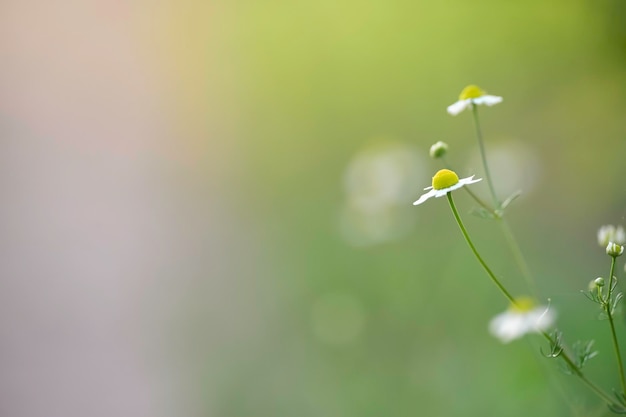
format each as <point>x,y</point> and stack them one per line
<point>378,182</point>
<point>444,181</point>
<point>521,318</point>
<point>472,94</point>
<point>610,233</point>
<point>516,165</point>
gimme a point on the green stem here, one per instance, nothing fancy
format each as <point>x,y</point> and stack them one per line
<point>517,254</point>
<point>483,156</point>
<point>476,254</point>
<point>608,306</point>
<point>568,360</point>
<point>506,230</point>
<point>570,363</point>
<point>479,201</point>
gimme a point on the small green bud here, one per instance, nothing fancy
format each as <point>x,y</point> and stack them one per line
<point>438,150</point>
<point>594,284</point>
<point>614,250</point>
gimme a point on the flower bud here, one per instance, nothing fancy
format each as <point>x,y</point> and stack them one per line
<point>599,282</point>
<point>438,150</point>
<point>614,250</point>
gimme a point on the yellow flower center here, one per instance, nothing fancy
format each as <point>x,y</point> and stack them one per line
<point>444,178</point>
<point>471,91</point>
<point>523,304</point>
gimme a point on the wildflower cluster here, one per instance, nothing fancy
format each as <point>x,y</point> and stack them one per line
<point>525,314</point>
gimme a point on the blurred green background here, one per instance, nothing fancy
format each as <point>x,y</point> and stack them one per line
<point>378,307</point>
<point>382,310</point>
<point>262,157</point>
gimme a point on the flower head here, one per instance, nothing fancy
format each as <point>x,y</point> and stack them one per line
<point>610,233</point>
<point>445,181</point>
<point>472,94</point>
<point>614,250</point>
<point>521,318</point>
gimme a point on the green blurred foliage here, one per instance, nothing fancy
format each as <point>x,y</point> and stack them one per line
<point>318,82</point>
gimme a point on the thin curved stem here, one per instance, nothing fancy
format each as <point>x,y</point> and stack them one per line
<point>506,230</point>
<point>478,200</point>
<point>517,254</point>
<point>483,156</point>
<point>568,360</point>
<point>608,306</point>
<point>476,254</point>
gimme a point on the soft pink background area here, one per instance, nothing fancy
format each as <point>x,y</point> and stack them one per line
<point>112,166</point>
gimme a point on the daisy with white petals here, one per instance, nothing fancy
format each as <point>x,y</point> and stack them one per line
<point>521,318</point>
<point>470,95</point>
<point>445,181</point>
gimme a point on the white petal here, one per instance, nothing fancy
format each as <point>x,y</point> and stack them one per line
<point>458,107</point>
<point>469,180</point>
<point>488,100</point>
<point>461,183</point>
<point>512,325</point>
<point>604,234</point>
<point>620,236</point>
<point>454,187</point>
<point>508,326</point>
<point>441,193</point>
<point>425,197</point>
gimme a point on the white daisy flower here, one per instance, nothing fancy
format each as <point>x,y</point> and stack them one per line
<point>445,181</point>
<point>521,318</point>
<point>472,94</point>
<point>610,233</point>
